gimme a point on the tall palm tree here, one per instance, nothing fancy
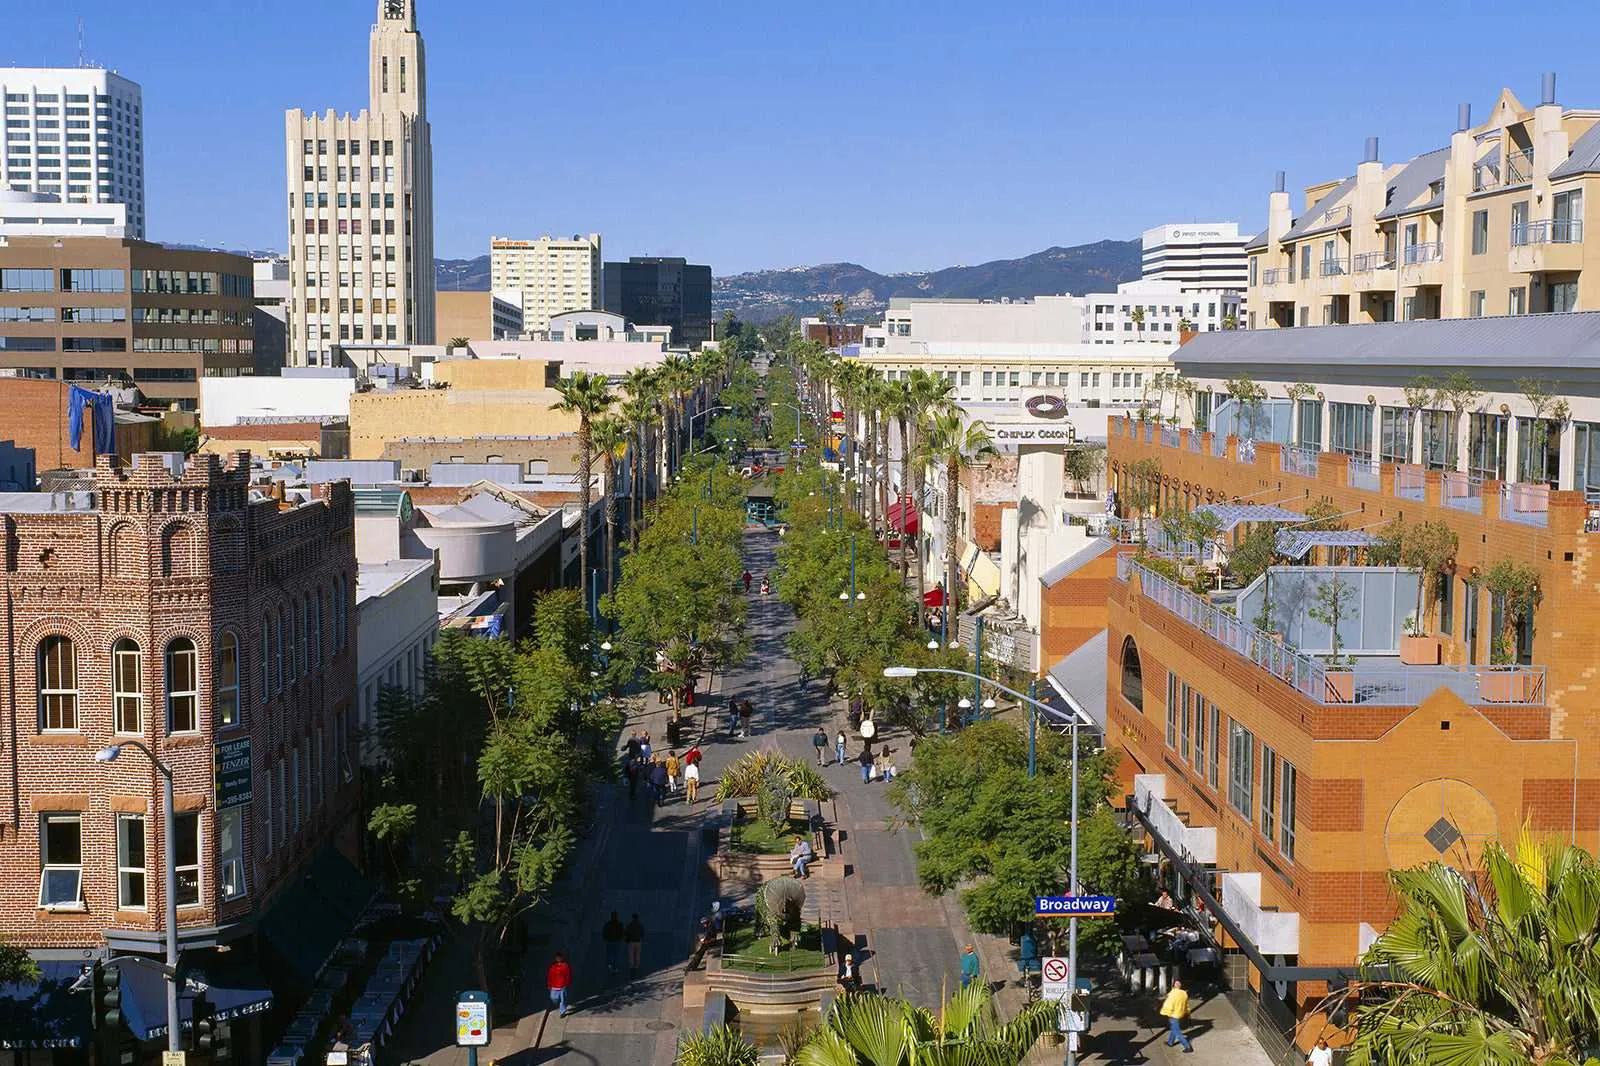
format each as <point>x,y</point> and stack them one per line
<point>927,394</point>
<point>640,415</point>
<point>873,1030</point>
<point>952,443</point>
<point>609,436</point>
<point>677,378</point>
<point>588,395</point>
<point>1495,964</point>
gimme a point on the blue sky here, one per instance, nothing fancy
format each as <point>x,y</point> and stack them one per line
<point>748,133</point>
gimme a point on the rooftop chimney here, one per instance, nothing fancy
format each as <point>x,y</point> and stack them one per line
<point>1547,88</point>
<point>1372,151</point>
<point>1463,117</point>
<point>1277,182</point>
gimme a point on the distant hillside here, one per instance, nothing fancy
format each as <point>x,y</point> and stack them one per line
<point>763,295</point>
<point>469,275</point>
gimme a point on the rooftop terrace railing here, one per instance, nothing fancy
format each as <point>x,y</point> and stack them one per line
<point>1363,473</point>
<point>1464,492</point>
<point>1528,504</point>
<point>1410,482</point>
<point>1298,459</point>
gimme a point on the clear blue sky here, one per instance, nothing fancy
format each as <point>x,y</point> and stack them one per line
<point>748,133</point>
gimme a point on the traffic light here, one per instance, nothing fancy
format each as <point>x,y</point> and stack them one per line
<point>106,997</point>
<point>205,1024</point>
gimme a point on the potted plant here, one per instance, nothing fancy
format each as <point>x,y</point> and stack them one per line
<point>1516,585</point>
<point>1334,601</point>
<point>1416,647</point>
<point>1429,548</point>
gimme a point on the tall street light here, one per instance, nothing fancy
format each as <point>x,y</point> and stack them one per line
<point>852,596</point>
<point>170,878</point>
<point>1034,707</point>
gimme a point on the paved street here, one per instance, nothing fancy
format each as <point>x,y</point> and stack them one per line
<point>655,862</point>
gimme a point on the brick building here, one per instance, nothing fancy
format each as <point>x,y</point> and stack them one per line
<point>1280,783</point>
<point>34,414</point>
<point>181,610</point>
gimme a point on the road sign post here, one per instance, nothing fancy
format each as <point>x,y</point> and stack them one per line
<point>472,1023</point>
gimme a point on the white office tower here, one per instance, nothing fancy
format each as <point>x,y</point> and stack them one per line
<point>76,134</point>
<point>1200,256</point>
<point>361,207</point>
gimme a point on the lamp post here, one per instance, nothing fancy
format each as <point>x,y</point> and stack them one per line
<point>1034,707</point>
<point>170,879</point>
<point>852,596</point>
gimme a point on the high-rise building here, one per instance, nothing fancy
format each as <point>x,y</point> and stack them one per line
<point>662,291</point>
<point>1491,223</point>
<point>553,275</point>
<point>75,133</point>
<point>361,207</point>
<point>1200,256</point>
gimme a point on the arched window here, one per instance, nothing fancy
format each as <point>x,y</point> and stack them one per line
<point>58,685</point>
<point>284,655</point>
<point>177,551</point>
<point>1132,675</point>
<point>123,544</point>
<point>127,686</point>
<point>183,687</point>
<point>338,613</point>
<point>227,679</point>
<point>298,667</point>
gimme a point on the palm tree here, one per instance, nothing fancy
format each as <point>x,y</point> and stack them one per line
<point>1496,964</point>
<point>928,394</point>
<point>588,395</point>
<point>952,443</point>
<point>609,436</point>
<point>640,414</point>
<point>1137,314</point>
<point>643,387</point>
<point>872,1030</point>
<point>677,378</point>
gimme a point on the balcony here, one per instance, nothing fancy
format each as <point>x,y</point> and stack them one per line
<point>1272,931</point>
<point>1528,504</point>
<point>1372,262</point>
<point>1277,276</point>
<point>1298,459</point>
<point>1515,169</point>
<point>1363,473</point>
<point>1462,492</point>
<point>1410,482</point>
<point>1334,267</point>
<point>1150,795</point>
<point>1423,252</point>
<point>1170,437</point>
<point>1550,244</point>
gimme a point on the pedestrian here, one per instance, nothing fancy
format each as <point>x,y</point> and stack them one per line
<point>557,979</point>
<point>799,855</point>
<point>745,712</point>
<point>849,980</point>
<point>969,966</point>
<point>633,771</point>
<point>747,582</point>
<point>889,769</point>
<point>673,766</point>
<point>658,779</point>
<point>838,747</point>
<point>633,747</point>
<point>865,759</point>
<point>1174,1009</point>
<point>611,933</point>
<point>819,740</point>
<point>633,937</point>
<point>693,756</point>
<point>1321,1055</point>
<point>691,780</point>
<point>733,716</point>
<point>644,746</point>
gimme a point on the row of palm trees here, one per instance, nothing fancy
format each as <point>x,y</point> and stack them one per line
<point>932,430</point>
<point>646,426</point>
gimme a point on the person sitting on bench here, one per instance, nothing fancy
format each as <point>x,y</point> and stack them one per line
<point>799,855</point>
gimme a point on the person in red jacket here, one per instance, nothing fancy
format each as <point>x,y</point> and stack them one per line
<point>558,978</point>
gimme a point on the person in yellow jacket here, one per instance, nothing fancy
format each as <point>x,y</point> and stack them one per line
<point>1174,1009</point>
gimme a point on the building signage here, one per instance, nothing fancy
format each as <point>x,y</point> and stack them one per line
<point>1033,432</point>
<point>1046,406</point>
<point>234,779</point>
<point>1075,906</point>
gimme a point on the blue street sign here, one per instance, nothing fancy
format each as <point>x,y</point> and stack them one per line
<point>1075,906</point>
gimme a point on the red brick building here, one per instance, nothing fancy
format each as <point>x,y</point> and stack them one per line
<point>187,613</point>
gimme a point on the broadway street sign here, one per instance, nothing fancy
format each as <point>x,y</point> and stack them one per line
<point>1075,906</point>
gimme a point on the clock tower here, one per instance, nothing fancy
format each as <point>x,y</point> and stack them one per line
<point>397,76</point>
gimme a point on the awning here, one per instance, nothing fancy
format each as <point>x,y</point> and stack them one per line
<point>1296,543</point>
<point>144,997</point>
<point>1082,674</point>
<point>45,1014</point>
<point>314,912</point>
<point>903,517</point>
<point>933,597</point>
<point>1233,514</point>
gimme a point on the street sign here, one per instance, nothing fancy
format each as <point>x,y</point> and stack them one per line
<point>472,1019</point>
<point>174,1058</point>
<point>1053,979</point>
<point>1075,906</point>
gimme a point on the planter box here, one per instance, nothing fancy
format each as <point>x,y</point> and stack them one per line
<point>1421,651</point>
<point>1341,686</point>
<point>1505,686</point>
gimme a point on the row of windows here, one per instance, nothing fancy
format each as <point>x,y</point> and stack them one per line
<point>320,147</point>
<point>320,199</point>
<point>61,859</point>
<point>212,345</point>
<point>350,227</point>
<point>192,316</point>
<point>194,282</point>
<point>59,709</point>
<point>373,174</point>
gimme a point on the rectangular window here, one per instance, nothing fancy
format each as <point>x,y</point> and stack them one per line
<point>58,685</point>
<point>130,861</point>
<point>1186,703</point>
<point>1241,768</point>
<point>93,281</point>
<point>1475,303</point>
<point>1269,792</point>
<point>1480,231</point>
<point>1172,711</point>
<point>1305,260</point>
<point>281,808</point>
<point>183,688</point>
<point>127,682</point>
<point>1350,429</point>
<point>61,861</point>
<point>19,279</point>
<point>230,852</point>
<point>1439,440</point>
<point>1287,809</point>
<point>1486,445</point>
<point>1517,301</point>
<point>294,787</point>
<point>186,857</point>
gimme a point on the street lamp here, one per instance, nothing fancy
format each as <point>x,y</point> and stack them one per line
<point>1034,707</point>
<point>170,876</point>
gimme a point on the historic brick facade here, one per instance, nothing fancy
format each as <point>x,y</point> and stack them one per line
<point>185,613</point>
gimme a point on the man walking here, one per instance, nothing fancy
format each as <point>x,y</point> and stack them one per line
<point>691,780</point>
<point>865,759</point>
<point>611,933</point>
<point>557,979</point>
<point>838,748</point>
<point>969,966</point>
<point>819,740</point>
<point>1321,1055</point>
<point>633,937</point>
<point>1174,1009</point>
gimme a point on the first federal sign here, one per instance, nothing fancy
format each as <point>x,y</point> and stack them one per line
<point>1074,906</point>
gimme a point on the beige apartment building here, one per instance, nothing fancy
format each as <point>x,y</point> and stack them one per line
<point>1490,224</point>
<point>361,207</point>
<point>466,398</point>
<point>553,275</point>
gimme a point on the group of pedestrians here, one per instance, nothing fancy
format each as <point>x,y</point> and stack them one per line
<point>664,775</point>
<point>875,765</point>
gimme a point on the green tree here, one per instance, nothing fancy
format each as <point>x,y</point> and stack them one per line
<point>16,965</point>
<point>588,396</point>
<point>875,1030</point>
<point>609,437</point>
<point>929,394</point>
<point>1492,964</point>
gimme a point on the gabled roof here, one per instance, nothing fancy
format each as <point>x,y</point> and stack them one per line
<point>1258,241</point>
<point>1584,158</point>
<point>1083,674</point>
<point>1313,221</point>
<point>1096,547</point>
<point>1406,187</point>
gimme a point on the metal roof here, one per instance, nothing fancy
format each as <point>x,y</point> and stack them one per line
<point>1584,157</point>
<point>1258,241</point>
<point>1565,340</point>
<point>1082,673</point>
<point>1232,514</point>
<point>1096,547</point>
<point>1313,221</point>
<point>395,502</point>
<point>1412,182</point>
<point>1296,543</point>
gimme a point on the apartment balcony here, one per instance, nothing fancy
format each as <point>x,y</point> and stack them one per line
<point>1373,271</point>
<point>1198,843</point>
<point>1272,931</point>
<point>1551,244</point>
<point>1461,492</point>
<point>1507,173</point>
<point>1333,276</point>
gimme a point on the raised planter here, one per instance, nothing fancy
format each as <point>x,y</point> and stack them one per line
<point>1421,651</point>
<point>1506,686</point>
<point>1341,686</point>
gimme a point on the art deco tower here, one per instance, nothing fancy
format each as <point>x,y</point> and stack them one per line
<point>361,207</point>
